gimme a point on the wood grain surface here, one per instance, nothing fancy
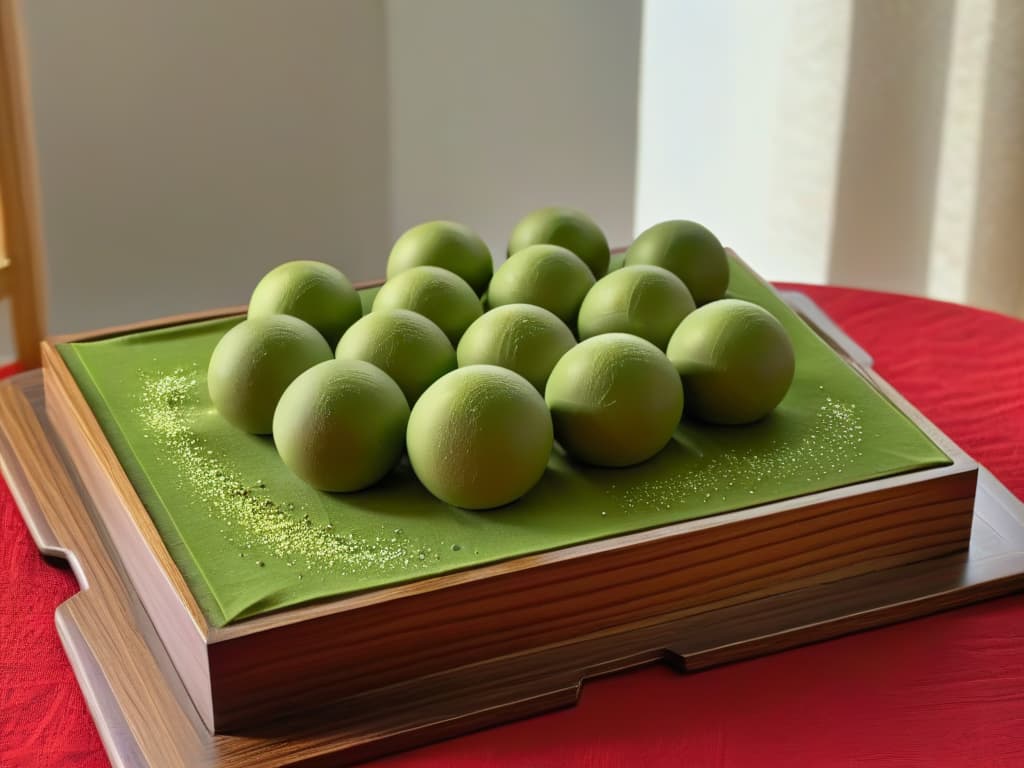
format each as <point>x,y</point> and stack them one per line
<point>400,665</point>
<point>303,657</point>
<point>146,719</point>
<point>35,465</point>
<point>153,573</point>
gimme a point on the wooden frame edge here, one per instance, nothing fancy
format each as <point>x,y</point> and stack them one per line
<point>961,462</point>
<point>58,378</point>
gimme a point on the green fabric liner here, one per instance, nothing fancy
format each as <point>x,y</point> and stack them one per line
<point>281,544</point>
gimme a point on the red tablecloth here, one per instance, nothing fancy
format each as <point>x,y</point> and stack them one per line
<point>942,691</point>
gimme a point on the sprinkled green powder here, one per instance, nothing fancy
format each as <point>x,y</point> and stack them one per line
<point>832,442</point>
<point>168,405</point>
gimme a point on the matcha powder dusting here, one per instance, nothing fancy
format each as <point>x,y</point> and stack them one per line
<point>252,519</point>
<point>820,456</point>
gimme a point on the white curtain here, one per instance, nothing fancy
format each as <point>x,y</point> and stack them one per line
<point>874,143</point>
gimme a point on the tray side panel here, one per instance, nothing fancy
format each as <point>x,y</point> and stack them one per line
<point>250,670</point>
<point>103,620</point>
<point>203,504</point>
<point>656,579</point>
<point>463,700</point>
<point>170,606</point>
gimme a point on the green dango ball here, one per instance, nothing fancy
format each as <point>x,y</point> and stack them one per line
<point>479,437</point>
<point>735,359</point>
<point>408,347</point>
<point>253,364</point>
<point>615,400</point>
<point>439,295</point>
<point>340,426</point>
<point>566,227</point>
<point>688,249</point>
<point>524,338</point>
<point>311,291</point>
<point>444,244</point>
<point>642,299</point>
<point>547,276</point>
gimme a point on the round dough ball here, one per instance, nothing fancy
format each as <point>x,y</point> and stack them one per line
<point>439,295</point>
<point>479,437</point>
<point>644,300</point>
<point>254,363</point>
<point>311,291</point>
<point>444,244</point>
<point>688,249</point>
<point>340,426</point>
<point>546,275</point>
<point>408,347</point>
<point>566,227</point>
<point>615,400</point>
<point>736,361</point>
<point>524,338</point>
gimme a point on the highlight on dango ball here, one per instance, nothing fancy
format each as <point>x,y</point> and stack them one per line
<point>479,437</point>
<point>642,299</point>
<point>567,227</point>
<point>524,338</point>
<point>407,346</point>
<point>735,359</point>
<point>255,361</point>
<point>445,244</point>
<point>439,295</point>
<point>548,276</point>
<point>689,250</point>
<point>309,290</point>
<point>615,400</point>
<point>340,426</point>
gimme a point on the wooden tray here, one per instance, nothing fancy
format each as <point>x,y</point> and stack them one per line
<point>139,689</point>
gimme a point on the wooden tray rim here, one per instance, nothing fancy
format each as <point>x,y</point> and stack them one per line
<point>54,365</point>
<point>122,703</point>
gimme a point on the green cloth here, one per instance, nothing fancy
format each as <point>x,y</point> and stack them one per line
<point>250,538</point>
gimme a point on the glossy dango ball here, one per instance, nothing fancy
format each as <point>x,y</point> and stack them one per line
<point>548,276</point>
<point>407,346</point>
<point>444,244</point>
<point>615,400</point>
<point>688,249</point>
<point>735,359</point>
<point>253,364</point>
<point>568,228</point>
<point>439,295</point>
<point>340,426</point>
<point>479,437</point>
<point>642,299</point>
<point>311,291</point>
<point>524,338</point>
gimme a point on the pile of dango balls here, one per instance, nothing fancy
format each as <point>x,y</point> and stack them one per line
<point>475,373</point>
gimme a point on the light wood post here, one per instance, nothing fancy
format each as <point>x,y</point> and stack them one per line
<point>21,249</point>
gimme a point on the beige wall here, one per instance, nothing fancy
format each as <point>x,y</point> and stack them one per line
<point>741,113</point>
<point>187,147</point>
<point>501,107</point>
<point>870,143</point>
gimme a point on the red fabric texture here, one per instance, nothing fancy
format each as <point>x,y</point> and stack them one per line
<point>947,690</point>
